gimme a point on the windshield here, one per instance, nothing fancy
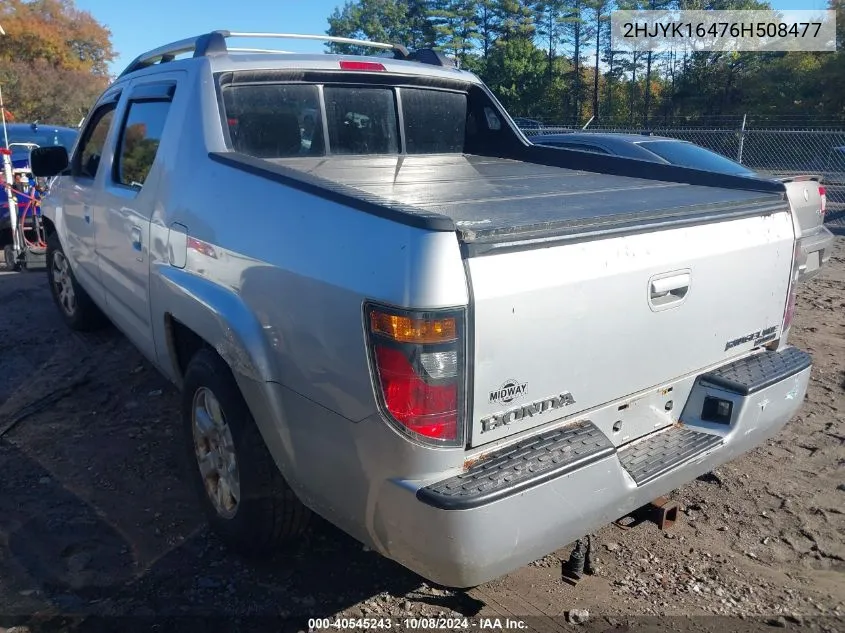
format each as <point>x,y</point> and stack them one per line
<point>689,155</point>
<point>42,137</point>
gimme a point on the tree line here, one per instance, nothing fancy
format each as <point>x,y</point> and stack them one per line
<point>53,60</point>
<point>545,59</point>
<point>553,60</point>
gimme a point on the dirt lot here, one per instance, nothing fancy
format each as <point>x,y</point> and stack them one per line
<point>98,530</point>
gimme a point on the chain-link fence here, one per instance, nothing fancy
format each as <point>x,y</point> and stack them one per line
<point>779,151</point>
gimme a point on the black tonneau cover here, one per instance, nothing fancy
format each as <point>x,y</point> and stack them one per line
<point>500,202</point>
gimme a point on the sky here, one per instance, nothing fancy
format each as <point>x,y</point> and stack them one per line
<point>140,25</point>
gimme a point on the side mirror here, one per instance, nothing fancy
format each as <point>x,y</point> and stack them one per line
<point>47,162</point>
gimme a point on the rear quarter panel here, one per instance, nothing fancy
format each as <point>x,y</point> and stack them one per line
<point>275,280</point>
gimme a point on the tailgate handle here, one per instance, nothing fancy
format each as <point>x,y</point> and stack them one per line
<point>666,291</point>
<point>676,284</point>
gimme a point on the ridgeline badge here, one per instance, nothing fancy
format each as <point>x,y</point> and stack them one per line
<point>508,392</point>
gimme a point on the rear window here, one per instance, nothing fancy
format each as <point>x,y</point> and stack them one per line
<point>286,120</point>
<point>274,120</point>
<point>435,121</point>
<point>688,155</point>
<point>361,120</point>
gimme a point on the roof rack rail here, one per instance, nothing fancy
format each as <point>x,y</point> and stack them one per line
<point>214,43</point>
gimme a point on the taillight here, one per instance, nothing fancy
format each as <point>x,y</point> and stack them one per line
<point>417,362</point>
<point>823,195</point>
<point>364,66</point>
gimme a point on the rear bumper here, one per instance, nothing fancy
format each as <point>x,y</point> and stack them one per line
<point>532,498</point>
<point>815,250</point>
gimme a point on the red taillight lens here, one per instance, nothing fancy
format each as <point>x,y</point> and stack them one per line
<point>428,409</point>
<point>823,195</point>
<point>417,361</point>
<point>362,66</point>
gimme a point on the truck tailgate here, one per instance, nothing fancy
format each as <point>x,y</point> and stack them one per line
<point>586,287</point>
<point>563,329</point>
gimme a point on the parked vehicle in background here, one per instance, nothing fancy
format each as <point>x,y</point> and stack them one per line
<point>527,124</point>
<point>463,349</point>
<point>806,193</point>
<point>834,178</point>
<point>37,134</point>
<point>23,137</point>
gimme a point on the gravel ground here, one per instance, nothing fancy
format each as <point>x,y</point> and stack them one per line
<point>98,530</point>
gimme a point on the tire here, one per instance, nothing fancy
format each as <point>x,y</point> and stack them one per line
<point>9,258</point>
<point>76,307</point>
<point>256,512</point>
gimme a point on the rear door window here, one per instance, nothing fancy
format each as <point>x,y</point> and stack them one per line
<point>139,141</point>
<point>361,120</point>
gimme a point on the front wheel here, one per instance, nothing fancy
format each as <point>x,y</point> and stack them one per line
<point>9,258</point>
<point>246,500</point>
<point>77,308</point>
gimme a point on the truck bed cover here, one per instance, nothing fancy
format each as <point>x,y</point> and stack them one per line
<point>490,200</point>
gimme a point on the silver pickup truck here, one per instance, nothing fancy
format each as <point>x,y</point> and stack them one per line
<point>383,305</point>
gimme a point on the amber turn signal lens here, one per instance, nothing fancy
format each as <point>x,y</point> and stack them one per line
<point>403,329</point>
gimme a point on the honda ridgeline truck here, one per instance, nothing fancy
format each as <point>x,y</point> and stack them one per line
<point>384,306</point>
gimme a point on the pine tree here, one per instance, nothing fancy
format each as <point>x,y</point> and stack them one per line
<point>453,23</point>
<point>549,14</point>
<point>513,19</point>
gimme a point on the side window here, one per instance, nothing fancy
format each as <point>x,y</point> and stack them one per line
<point>493,121</point>
<point>139,141</point>
<point>86,161</point>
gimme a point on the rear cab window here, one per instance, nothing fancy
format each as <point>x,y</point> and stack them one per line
<point>285,120</point>
<point>361,120</point>
<point>274,120</point>
<point>435,120</point>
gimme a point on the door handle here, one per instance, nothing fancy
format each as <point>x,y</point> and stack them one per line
<point>86,212</point>
<point>136,239</point>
